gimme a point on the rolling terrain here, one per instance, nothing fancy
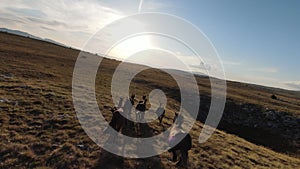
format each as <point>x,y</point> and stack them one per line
<point>39,127</point>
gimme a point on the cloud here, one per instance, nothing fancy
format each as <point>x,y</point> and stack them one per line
<point>153,5</point>
<point>269,70</point>
<point>40,18</point>
<point>10,20</point>
<point>47,28</point>
<point>202,66</point>
<point>62,20</point>
<point>293,84</point>
<point>232,63</point>
<point>51,23</point>
<point>266,70</point>
<point>27,12</point>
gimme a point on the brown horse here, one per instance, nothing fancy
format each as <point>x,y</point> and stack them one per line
<point>160,112</point>
<point>183,146</point>
<point>117,120</point>
<point>128,108</point>
<point>141,108</point>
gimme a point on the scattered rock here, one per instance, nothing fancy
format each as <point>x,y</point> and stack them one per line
<point>274,97</point>
<point>54,146</point>
<point>7,75</point>
<point>82,147</point>
<point>24,87</point>
<point>49,95</point>
<point>63,116</point>
<point>35,112</point>
<point>37,102</point>
<point>15,103</point>
<point>4,100</point>
<point>23,103</point>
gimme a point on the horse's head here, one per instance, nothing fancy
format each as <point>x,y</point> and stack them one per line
<point>175,116</point>
<point>178,119</point>
<point>113,109</point>
<point>132,96</point>
<point>144,97</point>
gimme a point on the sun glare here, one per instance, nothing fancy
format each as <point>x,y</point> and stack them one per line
<point>130,46</point>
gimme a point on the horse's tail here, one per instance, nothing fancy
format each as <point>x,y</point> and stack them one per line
<point>188,141</point>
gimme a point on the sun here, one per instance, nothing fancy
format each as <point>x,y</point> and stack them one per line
<point>130,46</point>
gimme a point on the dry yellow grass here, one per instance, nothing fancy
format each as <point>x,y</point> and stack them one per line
<point>39,128</point>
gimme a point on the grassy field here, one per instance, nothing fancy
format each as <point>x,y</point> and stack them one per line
<point>39,127</point>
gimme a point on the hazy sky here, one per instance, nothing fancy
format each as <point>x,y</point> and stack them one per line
<point>258,41</point>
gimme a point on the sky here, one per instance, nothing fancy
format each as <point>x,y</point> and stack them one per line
<point>257,41</point>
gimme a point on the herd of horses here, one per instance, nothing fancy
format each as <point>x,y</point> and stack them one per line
<point>120,118</point>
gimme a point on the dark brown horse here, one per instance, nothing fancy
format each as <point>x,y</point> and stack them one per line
<point>160,112</point>
<point>117,120</point>
<point>183,145</point>
<point>141,108</point>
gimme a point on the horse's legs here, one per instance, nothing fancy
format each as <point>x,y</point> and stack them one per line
<point>174,158</point>
<point>142,116</point>
<point>138,116</point>
<point>160,119</point>
<point>126,119</point>
<point>184,157</point>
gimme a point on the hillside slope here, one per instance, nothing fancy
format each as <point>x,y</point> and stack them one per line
<point>39,127</point>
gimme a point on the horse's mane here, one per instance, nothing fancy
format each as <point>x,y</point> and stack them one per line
<point>176,129</point>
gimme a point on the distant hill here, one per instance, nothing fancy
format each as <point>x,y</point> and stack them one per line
<point>25,34</point>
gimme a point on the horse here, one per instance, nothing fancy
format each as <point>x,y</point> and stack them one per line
<point>132,99</point>
<point>141,108</point>
<point>160,112</point>
<point>183,145</point>
<point>128,107</point>
<point>117,121</point>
